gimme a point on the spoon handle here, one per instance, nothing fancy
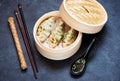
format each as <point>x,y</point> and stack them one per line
<point>89,47</point>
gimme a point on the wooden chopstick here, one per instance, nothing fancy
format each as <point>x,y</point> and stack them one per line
<point>26,43</point>
<point>27,34</point>
<point>13,30</point>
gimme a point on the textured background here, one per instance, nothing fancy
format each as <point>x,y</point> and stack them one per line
<point>104,59</point>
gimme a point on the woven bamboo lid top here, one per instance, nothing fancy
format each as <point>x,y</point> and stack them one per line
<point>87,11</point>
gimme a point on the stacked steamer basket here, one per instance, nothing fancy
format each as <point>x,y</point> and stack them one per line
<point>85,16</point>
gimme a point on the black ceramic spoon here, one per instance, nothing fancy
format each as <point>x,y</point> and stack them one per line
<point>78,66</point>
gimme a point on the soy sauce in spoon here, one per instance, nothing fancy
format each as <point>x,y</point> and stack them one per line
<point>78,66</point>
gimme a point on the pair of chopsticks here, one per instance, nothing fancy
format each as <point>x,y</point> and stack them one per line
<point>26,38</point>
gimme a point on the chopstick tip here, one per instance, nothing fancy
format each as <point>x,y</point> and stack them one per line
<point>16,12</point>
<point>35,75</point>
<point>19,5</point>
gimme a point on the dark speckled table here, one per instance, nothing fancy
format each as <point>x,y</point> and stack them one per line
<point>104,58</point>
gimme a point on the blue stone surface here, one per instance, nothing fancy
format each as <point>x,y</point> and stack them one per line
<point>104,58</point>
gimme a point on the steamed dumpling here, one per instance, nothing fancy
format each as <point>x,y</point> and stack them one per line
<point>45,28</point>
<point>69,37</point>
<point>57,34</point>
<point>54,32</point>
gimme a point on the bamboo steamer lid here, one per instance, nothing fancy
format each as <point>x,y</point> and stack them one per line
<point>87,16</point>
